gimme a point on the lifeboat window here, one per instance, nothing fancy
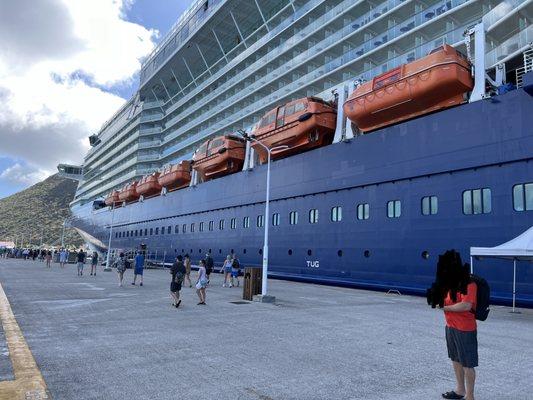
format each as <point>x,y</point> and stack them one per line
<point>299,107</point>
<point>192,227</point>
<point>221,224</point>
<point>394,209</point>
<point>293,217</point>
<point>313,216</point>
<point>260,221</point>
<point>214,144</point>
<point>233,223</point>
<point>523,197</point>
<point>275,219</point>
<point>177,229</point>
<point>363,211</point>
<point>201,227</point>
<point>211,225</point>
<point>184,228</point>
<point>281,112</point>
<point>430,205</point>
<point>246,222</point>
<point>281,117</point>
<point>169,230</point>
<point>151,231</point>
<point>157,231</point>
<point>477,201</point>
<point>202,149</point>
<point>336,214</point>
<point>289,110</point>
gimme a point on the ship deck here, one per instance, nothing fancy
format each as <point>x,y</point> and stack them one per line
<point>94,340</point>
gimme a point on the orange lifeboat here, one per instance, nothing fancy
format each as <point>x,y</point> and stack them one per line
<point>176,176</point>
<point>301,125</point>
<point>149,185</point>
<point>437,81</point>
<point>113,197</point>
<point>220,156</point>
<point>129,192</point>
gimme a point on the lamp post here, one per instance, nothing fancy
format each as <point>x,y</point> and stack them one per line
<point>108,258</point>
<point>264,288</point>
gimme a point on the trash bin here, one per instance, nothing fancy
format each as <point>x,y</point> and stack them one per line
<point>252,283</point>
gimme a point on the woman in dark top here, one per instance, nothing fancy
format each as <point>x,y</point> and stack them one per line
<point>178,272</point>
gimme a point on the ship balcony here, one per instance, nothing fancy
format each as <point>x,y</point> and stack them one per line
<point>148,105</point>
<point>117,142</point>
<point>110,150</point>
<point>148,157</point>
<point>104,188</point>
<point>511,47</point>
<point>298,64</point>
<point>150,131</point>
<point>151,117</point>
<point>149,144</point>
<point>109,171</point>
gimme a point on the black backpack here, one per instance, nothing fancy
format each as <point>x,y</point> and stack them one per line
<point>483,298</point>
<point>235,264</point>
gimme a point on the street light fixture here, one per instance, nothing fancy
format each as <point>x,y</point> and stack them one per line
<point>264,288</point>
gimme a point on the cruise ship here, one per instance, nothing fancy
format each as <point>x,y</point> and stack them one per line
<point>382,193</point>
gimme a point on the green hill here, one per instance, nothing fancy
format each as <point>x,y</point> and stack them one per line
<point>40,209</point>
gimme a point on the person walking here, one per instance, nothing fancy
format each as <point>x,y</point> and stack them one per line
<point>187,262</point>
<point>120,265</point>
<point>94,263</point>
<point>208,266</point>
<point>81,261</point>
<point>178,272</point>
<point>201,283</point>
<point>461,341</point>
<point>226,270</point>
<point>235,270</point>
<point>48,259</point>
<point>62,258</point>
<point>139,268</point>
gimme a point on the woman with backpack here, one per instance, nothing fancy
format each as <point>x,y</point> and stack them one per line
<point>235,270</point>
<point>178,272</point>
<point>201,283</point>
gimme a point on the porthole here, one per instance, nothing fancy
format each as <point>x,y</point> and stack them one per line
<point>425,255</point>
<point>244,251</point>
<point>183,250</point>
<point>200,251</point>
<point>232,251</point>
<point>309,252</point>
<point>366,253</point>
<point>219,251</point>
<point>339,253</point>
<point>290,252</point>
<point>190,251</point>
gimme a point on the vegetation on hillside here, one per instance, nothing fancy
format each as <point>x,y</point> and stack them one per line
<point>39,210</point>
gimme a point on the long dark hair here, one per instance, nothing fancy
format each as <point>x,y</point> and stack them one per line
<point>452,277</point>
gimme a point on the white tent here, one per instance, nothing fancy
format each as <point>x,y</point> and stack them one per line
<point>518,249</point>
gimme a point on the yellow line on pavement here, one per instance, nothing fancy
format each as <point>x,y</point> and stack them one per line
<point>29,383</point>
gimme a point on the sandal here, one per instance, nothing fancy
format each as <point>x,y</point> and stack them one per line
<point>452,395</point>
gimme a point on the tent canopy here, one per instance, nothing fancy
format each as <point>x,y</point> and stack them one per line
<point>519,248</point>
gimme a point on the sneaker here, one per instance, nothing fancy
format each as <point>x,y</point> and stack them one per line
<point>178,304</point>
<point>199,304</point>
<point>224,285</point>
<point>140,284</point>
<point>133,283</point>
<point>230,285</point>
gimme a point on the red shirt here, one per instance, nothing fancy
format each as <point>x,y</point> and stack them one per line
<point>465,320</point>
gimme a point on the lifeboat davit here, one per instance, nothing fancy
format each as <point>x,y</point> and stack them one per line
<point>437,81</point>
<point>113,197</point>
<point>149,185</point>
<point>300,125</point>
<point>220,156</point>
<point>129,192</point>
<point>176,176</point>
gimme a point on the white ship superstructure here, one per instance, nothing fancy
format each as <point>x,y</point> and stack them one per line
<point>226,62</point>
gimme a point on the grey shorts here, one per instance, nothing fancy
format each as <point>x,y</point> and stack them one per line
<point>462,347</point>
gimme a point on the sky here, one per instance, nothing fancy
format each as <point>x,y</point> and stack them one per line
<point>66,66</point>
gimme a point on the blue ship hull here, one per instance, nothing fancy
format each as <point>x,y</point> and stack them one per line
<point>486,144</point>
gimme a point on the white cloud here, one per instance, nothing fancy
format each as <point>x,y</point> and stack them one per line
<point>55,65</point>
<point>26,175</point>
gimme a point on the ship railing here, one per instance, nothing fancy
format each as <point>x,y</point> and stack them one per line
<point>513,46</point>
<point>527,67</point>
<point>365,48</point>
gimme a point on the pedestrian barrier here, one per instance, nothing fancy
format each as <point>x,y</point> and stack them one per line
<point>252,283</point>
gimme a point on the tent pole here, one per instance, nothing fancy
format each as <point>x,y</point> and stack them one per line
<point>471,264</point>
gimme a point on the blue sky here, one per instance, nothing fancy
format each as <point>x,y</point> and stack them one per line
<point>58,95</point>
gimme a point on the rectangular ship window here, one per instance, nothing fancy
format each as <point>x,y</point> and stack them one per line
<point>233,223</point>
<point>363,211</point>
<point>394,209</point>
<point>260,221</point>
<point>184,228</point>
<point>313,216</point>
<point>523,197</point>
<point>477,201</point>
<point>201,227</point>
<point>293,217</point>
<point>246,222</point>
<point>430,205</point>
<point>336,214</point>
<point>275,219</point>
